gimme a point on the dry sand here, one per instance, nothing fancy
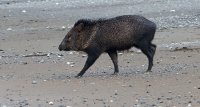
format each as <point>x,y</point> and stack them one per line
<point>33,73</point>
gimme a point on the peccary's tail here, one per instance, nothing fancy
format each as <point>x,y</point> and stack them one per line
<point>151,31</point>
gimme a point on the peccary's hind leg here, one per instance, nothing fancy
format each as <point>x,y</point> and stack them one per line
<point>89,62</point>
<point>113,56</point>
<point>153,49</point>
<point>148,49</point>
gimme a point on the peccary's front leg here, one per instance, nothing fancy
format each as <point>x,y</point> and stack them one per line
<point>113,56</point>
<point>89,62</point>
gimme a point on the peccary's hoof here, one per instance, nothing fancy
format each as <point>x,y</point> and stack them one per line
<point>78,76</point>
<point>115,73</point>
<point>148,71</point>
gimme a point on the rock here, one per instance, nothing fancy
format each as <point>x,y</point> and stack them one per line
<point>23,11</point>
<point>189,105</point>
<point>169,98</point>
<point>62,106</point>
<point>9,29</point>
<point>120,53</point>
<point>173,57</point>
<point>24,63</point>
<point>158,98</point>
<point>63,27</point>
<point>116,92</point>
<point>50,103</point>
<point>48,55</point>
<point>34,82</point>
<point>59,56</point>
<point>172,10</point>
<point>138,51</point>
<point>71,53</point>
<point>68,63</point>
<point>4,106</point>
<point>84,55</point>
<point>42,61</point>
<point>111,101</point>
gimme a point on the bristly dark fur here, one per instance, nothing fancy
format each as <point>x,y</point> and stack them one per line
<point>86,22</point>
<point>111,35</point>
<point>89,22</point>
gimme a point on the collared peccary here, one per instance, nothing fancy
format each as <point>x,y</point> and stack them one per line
<point>111,35</point>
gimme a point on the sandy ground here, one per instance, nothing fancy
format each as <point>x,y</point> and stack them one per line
<point>33,73</point>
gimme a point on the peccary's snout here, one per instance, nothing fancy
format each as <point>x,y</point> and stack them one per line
<point>60,48</point>
<point>63,47</point>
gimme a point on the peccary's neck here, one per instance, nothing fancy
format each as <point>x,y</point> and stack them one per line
<point>90,33</point>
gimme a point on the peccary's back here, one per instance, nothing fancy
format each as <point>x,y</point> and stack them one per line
<point>124,31</point>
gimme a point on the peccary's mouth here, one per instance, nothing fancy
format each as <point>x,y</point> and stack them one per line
<point>62,49</point>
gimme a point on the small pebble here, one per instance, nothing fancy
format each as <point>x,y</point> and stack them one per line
<point>23,11</point>
<point>48,27</point>
<point>63,27</point>
<point>111,101</point>
<point>120,53</point>
<point>4,106</point>
<point>84,55</point>
<point>138,51</point>
<point>34,82</point>
<point>172,10</point>
<point>50,103</point>
<point>71,53</point>
<point>59,56</point>
<point>9,29</point>
<point>169,98</point>
<point>116,92</point>
<point>173,57</point>
<point>24,63</point>
<point>42,61</point>
<point>189,105</point>
<point>48,55</point>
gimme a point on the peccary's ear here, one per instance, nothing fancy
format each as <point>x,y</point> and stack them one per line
<point>79,27</point>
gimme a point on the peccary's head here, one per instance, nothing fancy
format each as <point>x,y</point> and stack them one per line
<point>74,39</point>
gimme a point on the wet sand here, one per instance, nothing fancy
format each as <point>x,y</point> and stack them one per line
<point>33,73</point>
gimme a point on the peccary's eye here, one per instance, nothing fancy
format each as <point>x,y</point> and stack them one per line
<point>68,38</point>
